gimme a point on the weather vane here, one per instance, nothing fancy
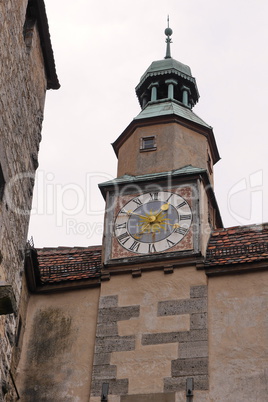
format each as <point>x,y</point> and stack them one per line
<point>168,33</point>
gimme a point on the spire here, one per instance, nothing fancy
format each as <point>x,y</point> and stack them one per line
<point>167,80</point>
<point>168,33</point>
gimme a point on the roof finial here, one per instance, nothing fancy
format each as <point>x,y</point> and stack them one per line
<point>168,33</point>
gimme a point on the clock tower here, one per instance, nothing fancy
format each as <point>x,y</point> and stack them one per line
<point>161,207</point>
<point>171,307</point>
<point>152,327</point>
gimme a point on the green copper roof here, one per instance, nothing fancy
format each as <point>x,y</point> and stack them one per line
<point>167,78</point>
<point>167,66</point>
<point>186,170</point>
<point>168,107</point>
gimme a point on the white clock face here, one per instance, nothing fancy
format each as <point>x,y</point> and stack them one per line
<point>153,222</point>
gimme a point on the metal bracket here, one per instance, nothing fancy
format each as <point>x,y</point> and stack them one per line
<point>189,389</point>
<point>104,392</point>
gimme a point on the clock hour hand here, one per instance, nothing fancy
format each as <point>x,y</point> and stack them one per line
<point>175,225</point>
<point>149,218</point>
<point>133,213</point>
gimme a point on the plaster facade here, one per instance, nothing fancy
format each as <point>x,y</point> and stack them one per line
<point>176,147</point>
<point>238,337</point>
<point>142,335</point>
<point>207,219</point>
<point>145,336</point>
<point>58,347</point>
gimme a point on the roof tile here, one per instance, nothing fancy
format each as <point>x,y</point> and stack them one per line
<point>236,245</point>
<point>69,263</point>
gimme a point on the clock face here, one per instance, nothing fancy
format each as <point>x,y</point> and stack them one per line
<point>153,222</point>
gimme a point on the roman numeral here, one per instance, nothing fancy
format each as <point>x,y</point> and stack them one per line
<point>121,225</point>
<point>137,201</point>
<point>180,230</point>
<point>169,197</point>
<point>122,212</point>
<point>151,248</point>
<point>170,243</point>
<point>154,196</point>
<point>181,205</point>
<point>123,238</point>
<point>135,246</point>
<point>185,217</point>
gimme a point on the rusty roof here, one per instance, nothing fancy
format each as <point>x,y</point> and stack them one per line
<point>69,263</point>
<point>238,245</point>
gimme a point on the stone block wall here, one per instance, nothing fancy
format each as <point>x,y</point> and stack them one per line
<point>22,97</point>
<point>151,337</point>
<point>108,341</point>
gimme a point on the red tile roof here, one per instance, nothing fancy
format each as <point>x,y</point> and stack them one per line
<point>69,263</point>
<point>238,245</point>
<point>235,245</point>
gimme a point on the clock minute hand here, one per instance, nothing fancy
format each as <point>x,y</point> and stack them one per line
<point>163,208</point>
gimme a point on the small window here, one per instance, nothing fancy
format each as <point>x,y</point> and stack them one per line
<point>2,183</point>
<point>148,144</point>
<point>209,164</point>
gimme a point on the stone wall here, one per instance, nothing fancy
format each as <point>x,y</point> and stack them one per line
<point>22,97</point>
<point>151,336</point>
<point>146,336</point>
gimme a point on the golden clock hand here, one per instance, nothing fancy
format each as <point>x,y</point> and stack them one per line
<point>149,218</point>
<point>163,207</point>
<point>175,225</point>
<point>133,213</point>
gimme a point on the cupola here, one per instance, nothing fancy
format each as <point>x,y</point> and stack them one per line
<point>166,135</point>
<point>167,79</point>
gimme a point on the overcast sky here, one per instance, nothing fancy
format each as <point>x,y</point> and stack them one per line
<point>101,49</point>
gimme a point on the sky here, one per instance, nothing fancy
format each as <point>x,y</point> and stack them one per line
<point>101,50</point>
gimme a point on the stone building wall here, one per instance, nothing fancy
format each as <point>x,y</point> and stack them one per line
<point>152,336</point>
<point>146,337</point>
<point>22,96</point>
<point>143,336</point>
<point>58,346</point>
<point>238,334</point>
